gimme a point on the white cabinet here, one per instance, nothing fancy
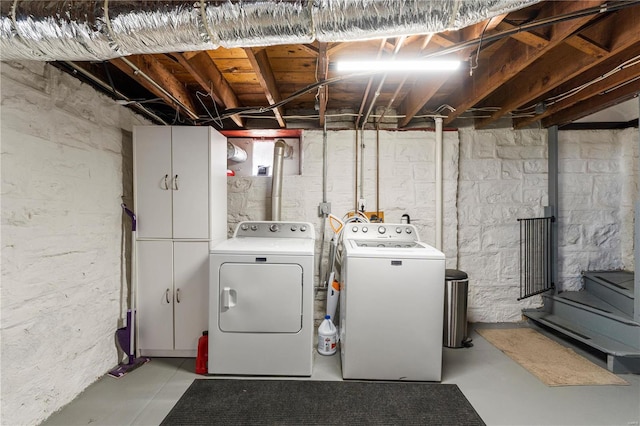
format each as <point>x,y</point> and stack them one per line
<point>180,200</point>
<point>172,181</point>
<point>172,296</point>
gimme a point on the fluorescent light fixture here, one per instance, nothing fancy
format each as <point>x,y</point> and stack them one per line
<point>423,65</point>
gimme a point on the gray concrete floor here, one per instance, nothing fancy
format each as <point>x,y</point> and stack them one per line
<point>500,390</point>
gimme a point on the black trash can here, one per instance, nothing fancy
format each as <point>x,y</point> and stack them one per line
<point>455,309</point>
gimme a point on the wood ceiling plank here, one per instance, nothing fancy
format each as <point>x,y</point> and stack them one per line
<point>260,63</point>
<point>210,78</point>
<point>594,104</point>
<point>513,58</point>
<point>166,84</point>
<point>544,75</point>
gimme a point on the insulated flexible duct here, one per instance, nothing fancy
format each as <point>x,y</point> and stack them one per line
<point>77,30</point>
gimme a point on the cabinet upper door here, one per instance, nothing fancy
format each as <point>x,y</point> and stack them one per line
<point>190,182</point>
<point>152,166</point>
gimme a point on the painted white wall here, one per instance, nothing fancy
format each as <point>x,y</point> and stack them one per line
<point>62,228</point>
<point>503,177</point>
<point>598,183</point>
<point>66,164</point>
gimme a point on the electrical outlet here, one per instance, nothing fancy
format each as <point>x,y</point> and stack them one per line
<point>324,209</point>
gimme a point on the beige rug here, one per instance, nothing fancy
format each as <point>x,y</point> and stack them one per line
<point>549,361</point>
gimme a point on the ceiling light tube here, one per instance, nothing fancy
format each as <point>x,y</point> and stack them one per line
<point>424,65</point>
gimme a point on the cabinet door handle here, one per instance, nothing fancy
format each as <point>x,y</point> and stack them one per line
<point>166,182</point>
<point>178,295</point>
<point>166,295</point>
<point>175,182</point>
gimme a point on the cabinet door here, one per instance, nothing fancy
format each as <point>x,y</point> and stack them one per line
<point>190,182</point>
<point>155,295</point>
<point>152,166</point>
<point>191,283</point>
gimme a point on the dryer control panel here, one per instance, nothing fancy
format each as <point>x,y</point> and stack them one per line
<point>270,229</point>
<point>381,231</point>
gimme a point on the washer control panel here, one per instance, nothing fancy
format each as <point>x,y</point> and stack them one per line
<point>268,229</point>
<point>381,231</point>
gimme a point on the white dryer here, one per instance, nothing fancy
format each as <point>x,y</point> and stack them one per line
<point>261,300</point>
<point>391,304</point>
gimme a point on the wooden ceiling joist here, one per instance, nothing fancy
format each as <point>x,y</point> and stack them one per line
<point>163,83</point>
<point>262,67</point>
<point>512,58</point>
<point>206,73</point>
<point>600,84</point>
<point>544,75</point>
<point>594,104</point>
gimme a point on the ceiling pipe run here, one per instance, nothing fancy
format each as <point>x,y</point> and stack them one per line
<point>106,29</point>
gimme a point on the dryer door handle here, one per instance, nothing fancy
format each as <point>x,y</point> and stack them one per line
<point>229,297</point>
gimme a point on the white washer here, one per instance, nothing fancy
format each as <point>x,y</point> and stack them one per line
<point>261,300</point>
<point>391,304</point>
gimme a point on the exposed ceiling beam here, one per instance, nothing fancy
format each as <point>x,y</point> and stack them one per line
<point>336,47</point>
<point>594,104</point>
<point>207,74</point>
<point>544,75</point>
<point>604,77</point>
<point>151,74</point>
<point>587,46</point>
<point>529,38</point>
<point>418,97</point>
<point>309,48</point>
<point>262,67</point>
<point>323,72</point>
<point>513,57</point>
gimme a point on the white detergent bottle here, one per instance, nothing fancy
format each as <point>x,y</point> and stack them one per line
<point>327,335</point>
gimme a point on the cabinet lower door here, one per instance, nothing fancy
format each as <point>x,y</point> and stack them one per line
<point>155,296</point>
<point>191,283</point>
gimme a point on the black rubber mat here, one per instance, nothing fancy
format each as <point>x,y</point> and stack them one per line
<point>302,402</point>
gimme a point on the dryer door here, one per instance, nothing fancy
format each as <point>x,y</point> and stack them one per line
<point>260,298</point>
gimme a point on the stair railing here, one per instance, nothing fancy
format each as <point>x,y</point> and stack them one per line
<point>535,256</point>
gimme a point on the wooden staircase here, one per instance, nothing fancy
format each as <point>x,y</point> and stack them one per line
<point>601,315</point>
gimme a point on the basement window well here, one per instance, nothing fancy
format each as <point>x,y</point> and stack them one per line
<point>254,156</point>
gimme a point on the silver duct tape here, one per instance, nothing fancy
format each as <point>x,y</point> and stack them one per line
<point>157,27</point>
<point>350,20</point>
<point>260,23</point>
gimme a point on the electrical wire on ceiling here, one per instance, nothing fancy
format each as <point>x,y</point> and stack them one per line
<point>574,91</point>
<point>460,46</point>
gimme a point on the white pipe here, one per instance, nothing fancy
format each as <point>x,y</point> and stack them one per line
<point>276,179</point>
<point>439,198</point>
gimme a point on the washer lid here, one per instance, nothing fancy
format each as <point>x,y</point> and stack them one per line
<point>370,249</point>
<point>248,245</point>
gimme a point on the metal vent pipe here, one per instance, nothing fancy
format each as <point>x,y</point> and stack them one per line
<point>276,179</point>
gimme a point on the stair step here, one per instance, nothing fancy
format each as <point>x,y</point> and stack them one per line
<point>589,337</point>
<point>613,287</point>
<point>591,302</point>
